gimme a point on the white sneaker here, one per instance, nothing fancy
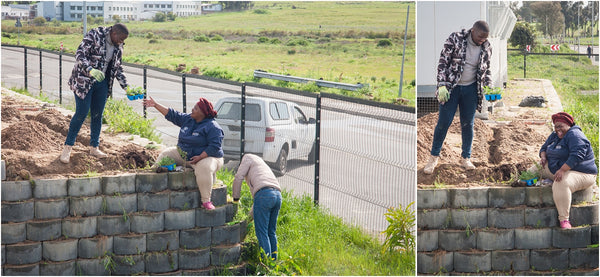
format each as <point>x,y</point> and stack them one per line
<point>94,151</point>
<point>65,156</point>
<point>466,164</point>
<point>431,164</point>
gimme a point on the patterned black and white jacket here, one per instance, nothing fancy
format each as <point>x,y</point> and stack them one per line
<point>453,59</point>
<point>90,54</point>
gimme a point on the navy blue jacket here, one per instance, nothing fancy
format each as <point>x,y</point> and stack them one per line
<point>574,149</point>
<point>197,137</point>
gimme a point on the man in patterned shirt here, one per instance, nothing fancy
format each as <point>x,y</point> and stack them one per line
<point>463,72</point>
<point>97,63</point>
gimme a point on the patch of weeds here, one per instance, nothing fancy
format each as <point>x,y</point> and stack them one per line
<point>438,184</point>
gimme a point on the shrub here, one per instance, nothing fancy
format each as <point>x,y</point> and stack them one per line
<point>218,72</point>
<point>149,35</point>
<point>523,34</point>
<point>263,40</point>
<point>159,17</point>
<point>152,41</point>
<point>291,51</point>
<point>275,41</point>
<point>217,38</point>
<point>384,43</point>
<point>201,38</point>
<point>298,42</point>
<point>261,11</point>
<point>399,233</point>
<point>39,21</point>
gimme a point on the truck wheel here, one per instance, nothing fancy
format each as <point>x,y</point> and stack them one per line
<point>281,164</point>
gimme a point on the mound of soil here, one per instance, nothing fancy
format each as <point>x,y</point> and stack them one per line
<point>503,146</point>
<point>33,135</point>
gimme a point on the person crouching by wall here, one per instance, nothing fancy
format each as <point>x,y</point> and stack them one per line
<point>267,199</point>
<point>201,138</point>
<point>567,157</point>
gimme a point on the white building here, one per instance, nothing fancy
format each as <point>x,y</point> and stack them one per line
<point>125,10</point>
<point>436,20</point>
<point>14,12</point>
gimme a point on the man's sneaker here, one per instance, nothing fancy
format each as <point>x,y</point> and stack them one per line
<point>65,156</point>
<point>565,224</point>
<point>466,164</point>
<point>431,164</point>
<point>94,151</point>
<point>208,205</point>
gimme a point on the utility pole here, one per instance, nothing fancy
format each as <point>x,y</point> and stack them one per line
<point>84,18</point>
<point>403,52</point>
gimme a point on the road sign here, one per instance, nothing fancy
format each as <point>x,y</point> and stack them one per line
<point>555,47</point>
<point>528,48</point>
<point>61,46</point>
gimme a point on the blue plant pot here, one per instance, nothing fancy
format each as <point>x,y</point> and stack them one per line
<point>131,97</point>
<point>170,167</point>
<point>140,96</point>
<point>493,97</point>
<point>531,182</point>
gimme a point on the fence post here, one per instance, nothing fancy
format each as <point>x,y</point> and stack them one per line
<point>41,71</point>
<point>25,66</point>
<point>524,65</point>
<point>183,93</point>
<point>317,148</point>
<point>145,90</point>
<point>243,122</point>
<point>60,77</point>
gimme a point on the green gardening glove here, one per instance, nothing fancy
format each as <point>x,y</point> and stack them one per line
<point>443,94</point>
<point>97,74</point>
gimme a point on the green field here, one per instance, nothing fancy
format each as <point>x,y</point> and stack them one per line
<point>336,41</point>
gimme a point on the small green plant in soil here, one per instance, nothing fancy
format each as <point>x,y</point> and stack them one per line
<point>528,175</point>
<point>166,161</point>
<point>132,91</point>
<point>490,91</point>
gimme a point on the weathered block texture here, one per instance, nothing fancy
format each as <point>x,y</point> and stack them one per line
<point>134,224</point>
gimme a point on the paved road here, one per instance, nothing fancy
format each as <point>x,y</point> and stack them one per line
<point>367,163</point>
<point>583,50</point>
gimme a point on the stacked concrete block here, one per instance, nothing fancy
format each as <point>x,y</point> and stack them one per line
<point>131,224</point>
<point>504,230</point>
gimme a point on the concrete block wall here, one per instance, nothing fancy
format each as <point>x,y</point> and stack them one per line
<point>132,224</point>
<point>504,231</point>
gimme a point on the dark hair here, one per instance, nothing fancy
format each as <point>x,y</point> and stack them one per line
<point>120,28</point>
<point>481,25</point>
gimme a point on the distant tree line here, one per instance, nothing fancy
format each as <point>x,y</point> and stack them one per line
<point>236,5</point>
<point>556,18</point>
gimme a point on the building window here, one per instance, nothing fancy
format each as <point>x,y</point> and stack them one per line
<point>169,6</point>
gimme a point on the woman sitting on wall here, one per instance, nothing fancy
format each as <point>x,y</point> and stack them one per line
<point>568,158</point>
<point>200,138</point>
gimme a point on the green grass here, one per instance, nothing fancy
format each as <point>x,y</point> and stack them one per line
<point>571,77</point>
<point>313,242</point>
<point>339,44</point>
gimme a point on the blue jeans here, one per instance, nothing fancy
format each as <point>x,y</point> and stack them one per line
<point>267,203</point>
<point>94,102</point>
<point>465,97</point>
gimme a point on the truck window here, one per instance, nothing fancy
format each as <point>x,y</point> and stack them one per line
<point>279,111</point>
<point>299,116</point>
<point>231,110</point>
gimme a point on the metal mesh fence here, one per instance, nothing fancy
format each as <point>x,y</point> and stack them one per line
<point>367,154</point>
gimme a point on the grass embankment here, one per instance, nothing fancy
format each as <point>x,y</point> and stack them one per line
<point>336,41</point>
<point>575,80</point>
<point>313,242</point>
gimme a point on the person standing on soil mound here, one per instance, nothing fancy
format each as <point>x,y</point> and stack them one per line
<point>463,72</point>
<point>98,62</point>
<point>200,139</point>
<point>568,158</point>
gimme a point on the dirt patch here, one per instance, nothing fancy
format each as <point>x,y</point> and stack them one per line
<point>503,146</point>
<point>33,134</point>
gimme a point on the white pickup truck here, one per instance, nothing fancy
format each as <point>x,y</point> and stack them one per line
<point>276,130</point>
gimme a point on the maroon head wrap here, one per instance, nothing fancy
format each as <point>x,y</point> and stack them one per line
<point>206,107</point>
<point>563,117</point>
